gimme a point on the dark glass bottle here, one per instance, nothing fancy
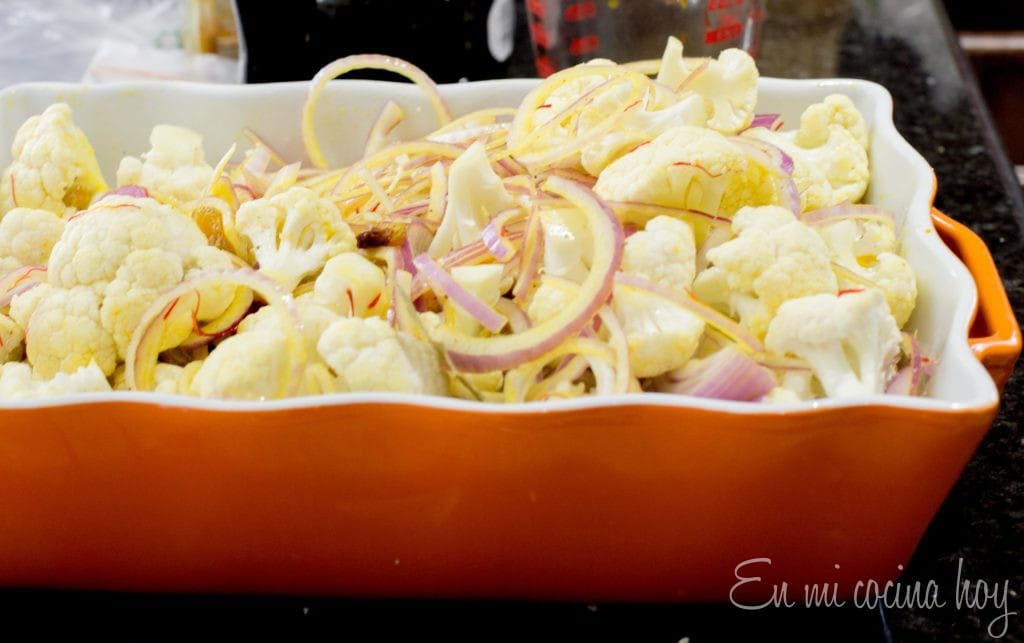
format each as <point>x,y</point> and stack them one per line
<point>449,39</point>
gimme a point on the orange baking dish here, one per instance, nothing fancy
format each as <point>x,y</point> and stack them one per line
<point>641,497</point>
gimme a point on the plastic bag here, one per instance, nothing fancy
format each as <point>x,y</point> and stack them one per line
<point>58,40</point>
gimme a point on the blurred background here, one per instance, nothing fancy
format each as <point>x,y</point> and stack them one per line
<point>230,41</point>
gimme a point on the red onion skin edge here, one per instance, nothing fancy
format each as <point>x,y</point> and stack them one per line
<point>728,375</point>
<point>137,191</point>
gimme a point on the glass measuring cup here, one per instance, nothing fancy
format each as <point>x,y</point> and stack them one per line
<point>568,32</point>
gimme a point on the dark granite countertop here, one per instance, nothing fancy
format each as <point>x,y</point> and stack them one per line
<point>910,49</point>
<point>907,46</point>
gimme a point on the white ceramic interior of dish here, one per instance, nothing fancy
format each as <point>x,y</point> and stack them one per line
<point>117,119</point>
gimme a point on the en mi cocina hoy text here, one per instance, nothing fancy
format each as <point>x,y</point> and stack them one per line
<point>983,596</point>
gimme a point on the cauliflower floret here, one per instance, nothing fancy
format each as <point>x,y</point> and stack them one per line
<point>567,244</point>
<point>475,195</point>
<point>773,258</point>
<point>352,285</point>
<point>54,166</point>
<point>673,69</point>
<point>369,355</point>
<point>17,382</point>
<point>127,251</point>
<point>639,126</point>
<point>139,280</point>
<point>728,85</point>
<point>313,316</point>
<point>95,245</point>
<point>255,365</point>
<point>894,276</point>
<point>795,386</point>
<point>855,242</point>
<point>11,337</point>
<point>550,298</point>
<point>868,249</point>
<point>168,379</point>
<point>688,167</point>
<point>26,238</point>
<point>174,169</point>
<point>837,110</point>
<point>851,341</point>
<point>829,152</point>
<point>23,305</point>
<point>293,234</point>
<point>598,98</point>
<point>663,252</point>
<point>661,335</point>
<point>65,333</point>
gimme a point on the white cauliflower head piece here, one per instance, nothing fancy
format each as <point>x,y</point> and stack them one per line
<point>851,341</point>
<point>567,244</point>
<point>688,167</point>
<point>352,285</point>
<point>174,169</point>
<point>829,152</point>
<point>54,166</point>
<point>772,259</point>
<point>293,234</point>
<point>255,365</point>
<point>639,126</point>
<point>868,249</point>
<point>661,335</point>
<point>65,333</point>
<point>96,243</point>
<point>728,84</point>
<point>664,252</point>
<point>475,195</point>
<point>17,382</point>
<point>139,280</point>
<point>27,237</point>
<point>11,337</point>
<point>369,355</point>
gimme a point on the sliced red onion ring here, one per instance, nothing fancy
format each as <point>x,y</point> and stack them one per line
<point>692,76</point>
<point>363,61</point>
<point>847,210</point>
<point>388,119</point>
<point>710,316</point>
<point>523,131</point>
<point>777,161</point>
<point>728,374</point>
<point>20,281</point>
<point>640,213</point>
<point>909,379</point>
<point>852,276</point>
<point>511,167</point>
<point>770,121</point>
<point>617,340</point>
<point>468,135</point>
<point>146,343</point>
<point>530,259</point>
<point>222,326</point>
<point>518,320</point>
<point>571,174</point>
<point>443,284</point>
<point>494,234</point>
<point>467,255</point>
<point>482,354</point>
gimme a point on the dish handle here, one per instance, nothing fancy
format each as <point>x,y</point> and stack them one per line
<point>994,334</point>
